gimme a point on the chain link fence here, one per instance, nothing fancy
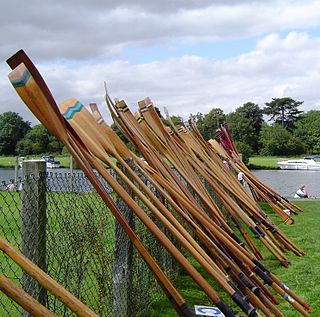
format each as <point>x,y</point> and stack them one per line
<point>61,224</point>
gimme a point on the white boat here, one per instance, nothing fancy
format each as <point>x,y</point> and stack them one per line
<point>308,163</point>
<point>50,162</point>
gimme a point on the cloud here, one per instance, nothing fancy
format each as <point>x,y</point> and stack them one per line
<point>77,45</point>
<point>276,67</point>
<point>81,30</point>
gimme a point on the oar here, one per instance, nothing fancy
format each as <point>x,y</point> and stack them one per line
<point>280,291</point>
<point>80,153</point>
<point>107,131</point>
<point>33,96</point>
<point>92,129</point>
<point>91,139</point>
<point>181,157</point>
<point>46,281</point>
<point>274,285</point>
<point>22,298</point>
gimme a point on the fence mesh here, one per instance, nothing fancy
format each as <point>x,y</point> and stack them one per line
<point>59,222</point>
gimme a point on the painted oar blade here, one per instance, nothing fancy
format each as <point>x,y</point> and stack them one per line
<point>31,94</point>
<point>21,57</point>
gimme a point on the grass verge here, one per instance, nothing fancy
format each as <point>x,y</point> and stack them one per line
<point>266,162</point>
<point>302,276</point>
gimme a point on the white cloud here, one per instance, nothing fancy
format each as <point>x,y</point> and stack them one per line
<point>102,29</point>
<point>190,84</point>
<point>78,44</point>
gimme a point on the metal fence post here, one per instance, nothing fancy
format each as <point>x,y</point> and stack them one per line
<point>122,264</point>
<point>34,220</point>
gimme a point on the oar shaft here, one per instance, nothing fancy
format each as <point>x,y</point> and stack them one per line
<point>46,281</point>
<point>27,302</point>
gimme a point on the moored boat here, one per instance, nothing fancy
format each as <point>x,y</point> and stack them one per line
<point>50,162</point>
<point>308,163</point>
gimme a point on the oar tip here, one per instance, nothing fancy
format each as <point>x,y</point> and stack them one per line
<point>14,60</point>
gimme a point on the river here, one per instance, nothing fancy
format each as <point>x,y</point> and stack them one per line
<point>282,181</point>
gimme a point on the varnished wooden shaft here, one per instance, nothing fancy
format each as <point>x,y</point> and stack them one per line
<point>27,302</point>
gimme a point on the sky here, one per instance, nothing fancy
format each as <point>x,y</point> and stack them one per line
<point>188,56</point>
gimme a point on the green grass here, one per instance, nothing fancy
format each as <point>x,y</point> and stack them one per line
<point>302,276</point>
<point>266,162</point>
<point>79,227</point>
<point>303,273</point>
<point>7,161</point>
<point>10,161</point>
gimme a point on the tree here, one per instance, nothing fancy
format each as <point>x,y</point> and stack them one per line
<point>12,129</point>
<point>197,119</point>
<point>308,131</point>
<point>38,141</point>
<point>245,125</point>
<point>277,140</point>
<point>208,124</point>
<point>283,111</point>
<point>176,120</point>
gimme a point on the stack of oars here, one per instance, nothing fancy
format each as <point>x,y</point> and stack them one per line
<point>220,252</point>
<point>152,140</point>
<point>261,192</point>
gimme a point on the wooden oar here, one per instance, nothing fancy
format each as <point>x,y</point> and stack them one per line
<point>46,281</point>
<point>22,298</point>
<point>34,97</point>
<point>87,124</point>
<point>83,119</point>
<point>100,127</point>
<point>275,286</point>
<point>180,157</point>
<point>81,154</point>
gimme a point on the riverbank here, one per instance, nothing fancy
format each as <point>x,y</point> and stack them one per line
<point>267,162</point>
<point>9,162</point>
<point>255,162</point>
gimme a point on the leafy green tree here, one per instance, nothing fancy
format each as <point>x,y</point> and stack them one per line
<point>176,120</point>
<point>38,141</point>
<point>307,129</point>
<point>208,123</point>
<point>277,140</point>
<point>197,119</point>
<point>12,129</point>
<point>245,150</point>
<point>115,128</point>
<point>283,111</point>
<point>54,145</point>
<point>245,125</point>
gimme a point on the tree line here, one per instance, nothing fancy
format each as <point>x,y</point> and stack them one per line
<point>17,137</point>
<point>278,128</point>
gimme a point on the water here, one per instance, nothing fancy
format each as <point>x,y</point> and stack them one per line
<point>287,182</point>
<point>283,182</point>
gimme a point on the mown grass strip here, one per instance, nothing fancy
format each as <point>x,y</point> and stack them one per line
<point>302,275</point>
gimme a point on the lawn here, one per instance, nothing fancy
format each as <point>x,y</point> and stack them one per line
<point>266,162</point>
<point>302,276</point>
<point>10,161</point>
